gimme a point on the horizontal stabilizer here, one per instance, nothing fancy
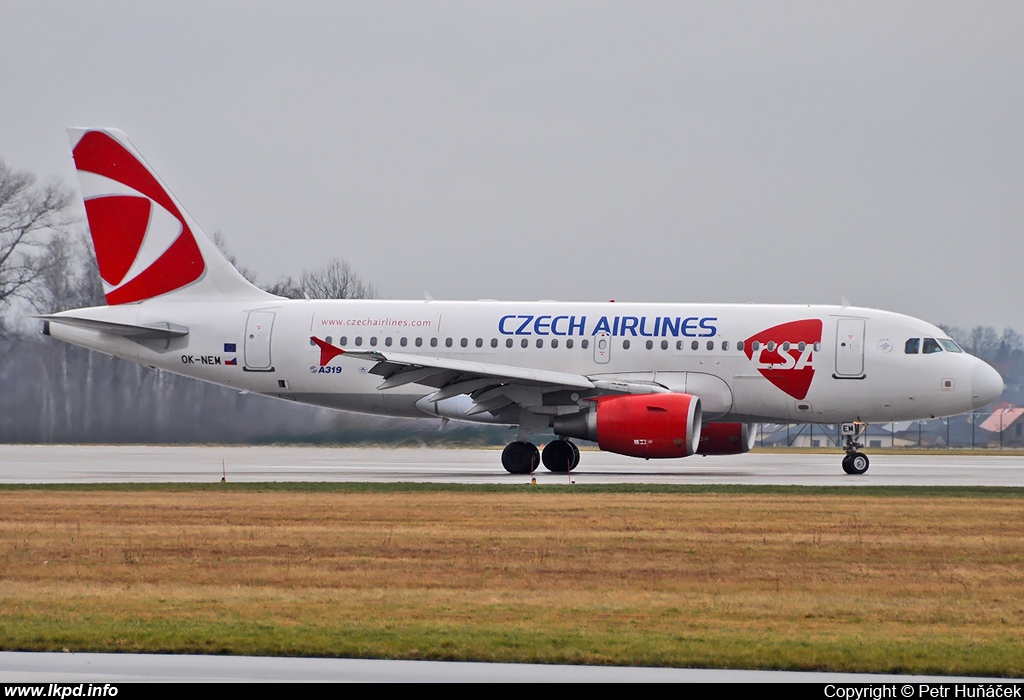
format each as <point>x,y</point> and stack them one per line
<point>151,331</point>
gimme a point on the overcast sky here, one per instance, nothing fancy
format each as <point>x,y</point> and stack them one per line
<point>643,151</point>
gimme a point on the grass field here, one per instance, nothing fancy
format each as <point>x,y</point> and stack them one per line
<point>859,579</point>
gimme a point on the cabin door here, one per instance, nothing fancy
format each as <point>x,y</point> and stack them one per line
<point>258,328</point>
<point>850,348</point>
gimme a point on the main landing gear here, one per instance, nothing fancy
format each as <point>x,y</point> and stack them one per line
<point>560,456</point>
<point>854,462</point>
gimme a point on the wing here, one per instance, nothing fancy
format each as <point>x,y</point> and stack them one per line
<point>492,387</point>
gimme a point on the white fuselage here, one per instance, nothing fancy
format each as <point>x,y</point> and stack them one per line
<point>824,364</point>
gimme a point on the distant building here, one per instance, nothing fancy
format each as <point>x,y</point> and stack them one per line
<point>1004,427</point>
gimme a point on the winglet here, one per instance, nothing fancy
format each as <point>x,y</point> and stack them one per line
<point>327,351</point>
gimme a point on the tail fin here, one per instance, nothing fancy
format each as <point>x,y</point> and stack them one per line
<point>146,243</point>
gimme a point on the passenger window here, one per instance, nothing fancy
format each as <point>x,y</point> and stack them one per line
<point>464,342</point>
<point>568,343</point>
<point>525,343</point>
<point>625,345</point>
<point>419,342</point>
<point>433,342</point>
<point>679,345</point>
<point>739,346</point>
<point>494,342</point>
<point>373,340</point>
<point>584,343</point>
<point>931,346</point>
<point>664,345</point>
<point>387,341</point>
<point>328,340</point>
<point>404,341</point>
<point>540,342</point>
<point>650,344</point>
<point>755,346</point>
<point>725,344</point>
<point>785,346</point>
<point>508,342</point>
<point>817,347</point>
<point>447,342</point>
<point>913,346</point>
<point>711,345</point>
<point>554,342</point>
<point>343,342</point>
<point>694,345</point>
<point>801,346</point>
<point>359,341</point>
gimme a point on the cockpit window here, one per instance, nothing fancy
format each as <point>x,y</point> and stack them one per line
<point>949,345</point>
<point>931,345</point>
<point>913,346</point>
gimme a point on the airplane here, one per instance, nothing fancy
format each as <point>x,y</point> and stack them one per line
<point>645,380</point>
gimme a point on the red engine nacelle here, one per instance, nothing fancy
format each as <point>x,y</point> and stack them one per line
<point>651,426</point>
<point>726,438</point>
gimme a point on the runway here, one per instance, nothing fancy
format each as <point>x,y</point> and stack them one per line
<point>146,464</point>
<point>97,669</point>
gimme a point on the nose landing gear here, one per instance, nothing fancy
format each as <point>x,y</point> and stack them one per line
<point>854,462</point>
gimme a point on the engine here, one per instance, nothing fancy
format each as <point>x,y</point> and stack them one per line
<point>726,438</point>
<point>652,426</point>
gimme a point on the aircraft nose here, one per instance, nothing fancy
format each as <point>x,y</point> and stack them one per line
<point>986,385</point>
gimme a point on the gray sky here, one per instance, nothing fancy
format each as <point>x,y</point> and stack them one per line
<point>642,151</point>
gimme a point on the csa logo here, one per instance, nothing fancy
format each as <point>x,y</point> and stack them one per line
<point>143,246</point>
<point>784,354</point>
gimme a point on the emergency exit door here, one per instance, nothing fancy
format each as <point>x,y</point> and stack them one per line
<point>602,348</point>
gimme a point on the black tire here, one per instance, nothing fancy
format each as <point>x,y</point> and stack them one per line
<point>575,455</point>
<point>856,463</point>
<point>560,456</point>
<point>520,457</point>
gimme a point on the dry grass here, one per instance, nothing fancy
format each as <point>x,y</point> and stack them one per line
<point>844,581</point>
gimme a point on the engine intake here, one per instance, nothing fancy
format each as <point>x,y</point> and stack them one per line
<point>652,426</point>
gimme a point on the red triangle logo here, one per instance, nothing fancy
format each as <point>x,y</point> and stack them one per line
<point>327,351</point>
<point>780,357</point>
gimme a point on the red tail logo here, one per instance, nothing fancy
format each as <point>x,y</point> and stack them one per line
<point>143,245</point>
<point>784,354</point>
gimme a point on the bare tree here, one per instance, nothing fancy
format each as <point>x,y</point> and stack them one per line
<point>27,213</point>
<point>983,342</point>
<point>221,243</point>
<point>286,287</point>
<point>335,281</point>
<point>1010,344</point>
<point>69,277</point>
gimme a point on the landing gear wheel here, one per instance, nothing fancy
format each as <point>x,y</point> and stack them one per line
<point>560,456</point>
<point>520,457</point>
<point>856,463</point>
